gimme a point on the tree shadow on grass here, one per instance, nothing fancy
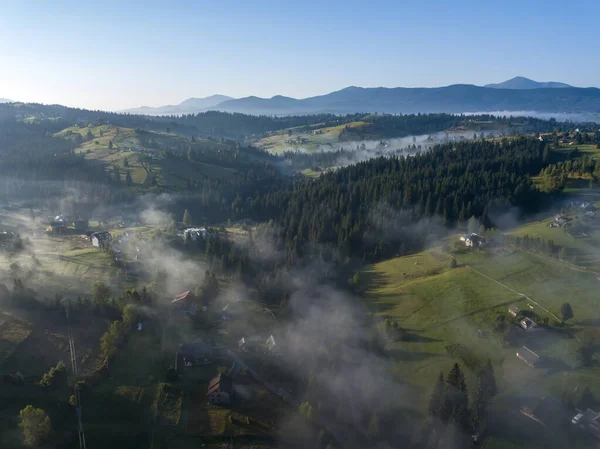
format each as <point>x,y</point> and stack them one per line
<point>371,280</point>
<point>403,355</point>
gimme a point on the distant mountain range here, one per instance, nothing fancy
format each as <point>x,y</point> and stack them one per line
<point>5,100</point>
<point>517,94</point>
<point>189,106</point>
<point>520,82</point>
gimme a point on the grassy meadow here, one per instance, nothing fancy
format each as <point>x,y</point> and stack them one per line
<point>452,315</point>
<point>324,138</point>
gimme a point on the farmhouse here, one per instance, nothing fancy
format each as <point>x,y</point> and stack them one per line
<point>185,303</point>
<point>58,223</point>
<point>101,239</point>
<point>473,240</point>
<point>559,221</point>
<point>220,390</point>
<point>528,356</point>
<point>527,324</point>
<point>547,411</point>
<point>513,311</point>
<point>588,420</point>
<point>194,233</point>
<point>196,353</point>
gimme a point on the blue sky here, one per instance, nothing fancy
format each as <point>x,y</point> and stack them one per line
<point>117,54</point>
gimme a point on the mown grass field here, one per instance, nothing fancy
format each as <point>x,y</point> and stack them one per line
<point>439,307</point>
<point>324,139</point>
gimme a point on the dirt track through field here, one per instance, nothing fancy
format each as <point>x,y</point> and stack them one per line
<point>506,287</point>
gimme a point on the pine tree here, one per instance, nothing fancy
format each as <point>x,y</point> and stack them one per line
<point>436,402</point>
<point>480,402</point>
<point>490,378</point>
<point>456,401</point>
<point>187,218</point>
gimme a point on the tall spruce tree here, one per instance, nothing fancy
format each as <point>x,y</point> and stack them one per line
<point>436,403</point>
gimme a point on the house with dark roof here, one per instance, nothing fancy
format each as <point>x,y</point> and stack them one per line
<point>185,303</point>
<point>473,240</point>
<point>528,356</point>
<point>588,420</point>
<point>101,239</point>
<point>196,353</point>
<point>220,390</point>
<point>547,411</point>
<point>528,324</point>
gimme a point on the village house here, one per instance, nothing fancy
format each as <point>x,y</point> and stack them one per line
<point>473,240</point>
<point>201,353</point>
<point>527,324</point>
<point>251,343</point>
<point>196,353</point>
<point>101,239</point>
<point>194,233</point>
<point>588,420</point>
<point>528,356</point>
<point>513,311</point>
<point>58,223</point>
<point>559,221</point>
<point>80,224</point>
<point>185,303</point>
<point>547,411</point>
<point>220,390</point>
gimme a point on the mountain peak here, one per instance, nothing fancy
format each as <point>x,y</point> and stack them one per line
<point>189,106</point>
<point>520,82</point>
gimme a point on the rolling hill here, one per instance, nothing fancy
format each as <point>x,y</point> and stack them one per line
<point>456,98</point>
<point>189,106</point>
<point>520,82</point>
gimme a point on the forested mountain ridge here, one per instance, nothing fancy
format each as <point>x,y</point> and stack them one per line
<point>352,209</point>
<point>456,98</point>
<point>111,158</point>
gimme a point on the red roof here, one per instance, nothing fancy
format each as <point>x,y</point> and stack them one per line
<point>182,296</point>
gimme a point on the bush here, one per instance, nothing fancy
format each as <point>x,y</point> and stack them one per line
<point>36,426</point>
<point>55,375</point>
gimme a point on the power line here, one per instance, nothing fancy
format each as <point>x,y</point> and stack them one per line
<point>78,406</point>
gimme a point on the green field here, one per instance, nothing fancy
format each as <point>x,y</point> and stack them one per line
<point>128,154</point>
<point>322,138</point>
<point>583,246</point>
<point>439,306</point>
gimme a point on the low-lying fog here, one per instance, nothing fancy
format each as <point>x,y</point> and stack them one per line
<point>576,117</point>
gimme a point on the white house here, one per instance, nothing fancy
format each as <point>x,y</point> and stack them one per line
<point>473,240</point>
